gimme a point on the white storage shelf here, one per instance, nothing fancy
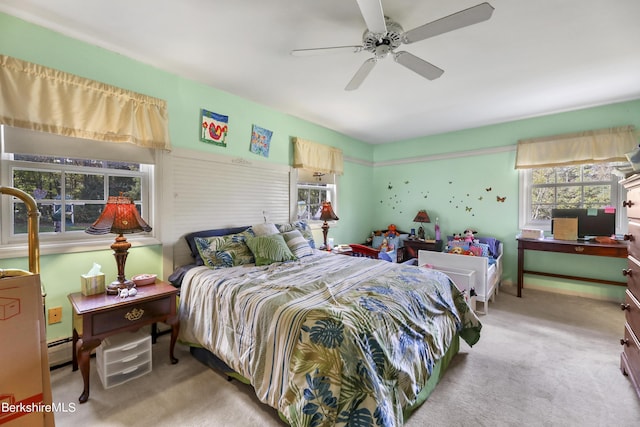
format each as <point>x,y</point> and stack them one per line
<point>123,357</point>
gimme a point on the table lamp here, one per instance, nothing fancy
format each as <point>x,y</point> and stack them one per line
<point>120,216</point>
<point>421,217</point>
<point>325,215</point>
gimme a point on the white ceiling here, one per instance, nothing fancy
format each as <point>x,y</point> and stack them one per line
<point>533,57</point>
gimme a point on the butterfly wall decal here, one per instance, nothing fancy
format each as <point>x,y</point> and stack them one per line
<point>501,199</point>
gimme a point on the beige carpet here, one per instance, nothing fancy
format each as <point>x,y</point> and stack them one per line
<point>543,360</point>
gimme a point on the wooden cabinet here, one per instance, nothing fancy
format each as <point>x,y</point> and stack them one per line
<point>630,357</point>
<point>411,247</point>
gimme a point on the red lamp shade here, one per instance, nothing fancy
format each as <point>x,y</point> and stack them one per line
<point>120,216</point>
<point>422,216</point>
<point>327,214</point>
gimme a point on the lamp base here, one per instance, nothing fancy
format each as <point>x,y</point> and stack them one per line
<point>114,287</point>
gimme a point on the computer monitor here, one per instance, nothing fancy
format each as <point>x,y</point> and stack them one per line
<point>591,222</point>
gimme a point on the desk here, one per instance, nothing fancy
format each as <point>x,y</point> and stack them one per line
<point>613,250</point>
<point>96,317</point>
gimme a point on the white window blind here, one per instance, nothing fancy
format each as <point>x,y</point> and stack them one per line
<point>24,141</point>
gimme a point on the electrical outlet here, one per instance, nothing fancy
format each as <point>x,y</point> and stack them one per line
<point>55,315</point>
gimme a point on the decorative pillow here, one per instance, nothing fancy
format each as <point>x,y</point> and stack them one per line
<point>494,245</point>
<point>302,227</point>
<point>190,238</point>
<point>377,241</point>
<point>224,251</point>
<point>270,249</point>
<point>483,249</point>
<point>297,243</point>
<point>264,229</point>
<point>475,250</point>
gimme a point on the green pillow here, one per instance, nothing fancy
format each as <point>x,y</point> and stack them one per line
<point>269,249</point>
<point>224,251</point>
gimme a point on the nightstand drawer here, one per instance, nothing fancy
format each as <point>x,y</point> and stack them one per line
<point>631,307</point>
<point>141,313</point>
<point>631,347</point>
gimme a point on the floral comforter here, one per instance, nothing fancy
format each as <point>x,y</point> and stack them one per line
<point>328,339</point>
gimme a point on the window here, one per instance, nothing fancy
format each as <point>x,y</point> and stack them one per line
<point>70,192</point>
<point>577,186</point>
<point>313,189</point>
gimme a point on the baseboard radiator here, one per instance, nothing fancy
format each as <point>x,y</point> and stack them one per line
<point>60,352</point>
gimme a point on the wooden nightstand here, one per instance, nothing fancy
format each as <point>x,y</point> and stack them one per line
<point>96,317</point>
<point>411,247</point>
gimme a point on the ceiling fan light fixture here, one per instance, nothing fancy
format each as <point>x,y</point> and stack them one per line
<point>384,35</point>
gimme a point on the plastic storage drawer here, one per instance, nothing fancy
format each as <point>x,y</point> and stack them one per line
<point>123,357</point>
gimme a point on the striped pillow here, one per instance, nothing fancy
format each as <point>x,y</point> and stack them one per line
<point>270,249</point>
<point>297,243</point>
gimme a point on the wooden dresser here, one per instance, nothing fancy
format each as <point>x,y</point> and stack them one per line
<point>630,357</point>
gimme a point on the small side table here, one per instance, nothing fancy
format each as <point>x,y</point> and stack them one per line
<point>96,317</point>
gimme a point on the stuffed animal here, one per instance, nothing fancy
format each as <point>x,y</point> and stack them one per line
<point>468,235</point>
<point>386,246</point>
<point>391,231</point>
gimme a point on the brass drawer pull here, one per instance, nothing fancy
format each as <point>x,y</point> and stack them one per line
<point>628,237</point>
<point>624,306</point>
<point>627,204</point>
<point>624,341</point>
<point>579,248</point>
<point>627,272</point>
<point>134,314</point>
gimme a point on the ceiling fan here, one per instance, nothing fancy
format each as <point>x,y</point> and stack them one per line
<point>383,36</point>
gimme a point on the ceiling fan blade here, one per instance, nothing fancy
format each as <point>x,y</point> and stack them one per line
<point>461,19</point>
<point>361,74</point>
<point>373,15</point>
<point>326,50</point>
<point>417,65</point>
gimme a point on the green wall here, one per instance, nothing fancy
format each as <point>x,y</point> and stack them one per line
<point>372,194</point>
<point>457,189</point>
<point>60,273</point>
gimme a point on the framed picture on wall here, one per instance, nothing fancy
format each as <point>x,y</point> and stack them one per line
<point>214,128</point>
<point>260,140</point>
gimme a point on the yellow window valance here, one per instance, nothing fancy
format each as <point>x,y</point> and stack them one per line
<point>47,100</point>
<point>593,146</point>
<point>316,157</point>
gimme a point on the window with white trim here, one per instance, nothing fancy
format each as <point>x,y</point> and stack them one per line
<point>591,185</point>
<point>70,190</point>
<point>313,189</point>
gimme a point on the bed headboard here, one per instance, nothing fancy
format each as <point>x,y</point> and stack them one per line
<point>204,191</point>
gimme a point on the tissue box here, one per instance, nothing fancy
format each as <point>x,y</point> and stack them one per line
<point>90,285</point>
<point>531,233</point>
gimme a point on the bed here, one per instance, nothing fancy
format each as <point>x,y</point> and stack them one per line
<point>325,339</point>
<point>486,262</point>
